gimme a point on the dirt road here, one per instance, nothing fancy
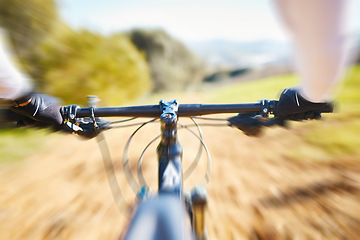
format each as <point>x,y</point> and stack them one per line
<point>255,190</point>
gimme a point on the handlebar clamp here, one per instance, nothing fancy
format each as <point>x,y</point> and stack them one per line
<point>69,113</point>
<point>86,127</point>
<point>267,107</point>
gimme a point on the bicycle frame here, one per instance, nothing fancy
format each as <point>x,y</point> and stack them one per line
<point>170,172</point>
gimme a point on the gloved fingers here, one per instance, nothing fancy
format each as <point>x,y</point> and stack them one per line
<point>42,108</point>
<point>304,116</point>
<point>25,122</point>
<point>51,115</point>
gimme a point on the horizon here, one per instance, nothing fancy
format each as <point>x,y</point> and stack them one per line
<point>187,20</point>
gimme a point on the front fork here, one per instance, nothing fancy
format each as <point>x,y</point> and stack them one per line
<point>199,204</point>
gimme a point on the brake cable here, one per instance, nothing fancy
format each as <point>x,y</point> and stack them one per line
<point>190,169</point>
<point>123,206</point>
<point>126,163</point>
<point>139,168</point>
<point>207,175</point>
<point>197,158</point>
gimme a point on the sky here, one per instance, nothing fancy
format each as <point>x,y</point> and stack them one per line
<point>187,20</point>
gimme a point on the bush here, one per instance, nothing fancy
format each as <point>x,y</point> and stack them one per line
<point>172,65</point>
<point>72,65</point>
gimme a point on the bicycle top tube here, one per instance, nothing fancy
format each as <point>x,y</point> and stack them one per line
<point>185,110</point>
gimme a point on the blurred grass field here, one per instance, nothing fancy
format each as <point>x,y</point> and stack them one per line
<point>296,183</point>
<point>337,136</point>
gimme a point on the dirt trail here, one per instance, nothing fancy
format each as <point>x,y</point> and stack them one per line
<point>255,192</point>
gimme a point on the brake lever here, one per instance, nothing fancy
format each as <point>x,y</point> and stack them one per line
<point>252,124</point>
<point>83,128</point>
<point>88,127</point>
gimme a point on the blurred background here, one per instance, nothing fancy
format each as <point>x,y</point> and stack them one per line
<point>76,48</point>
<point>301,182</point>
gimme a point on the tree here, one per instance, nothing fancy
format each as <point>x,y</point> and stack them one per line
<point>172,65</point>
<point>27,22</point>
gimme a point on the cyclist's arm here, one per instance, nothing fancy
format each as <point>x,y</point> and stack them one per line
<point>13,83</point>
<point>40,109</point>
<point>318,32</point>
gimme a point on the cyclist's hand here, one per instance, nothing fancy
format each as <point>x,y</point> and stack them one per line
<point>41,109</point>
<point>293,106</point>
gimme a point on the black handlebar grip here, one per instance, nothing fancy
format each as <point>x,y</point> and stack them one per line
<point>8,116</point>
<point>329,108</point>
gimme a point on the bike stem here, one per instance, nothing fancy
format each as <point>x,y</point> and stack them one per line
<point>169,151</point>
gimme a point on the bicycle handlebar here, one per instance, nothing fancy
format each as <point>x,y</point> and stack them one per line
<point>185,110</point>
<point>264,107</point>
<point>8,116</point>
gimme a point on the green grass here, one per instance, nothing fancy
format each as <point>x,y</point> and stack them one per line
<point>18,143</point>
<point>252,91</point>
<point>349,95</point>
<point>337,139</point>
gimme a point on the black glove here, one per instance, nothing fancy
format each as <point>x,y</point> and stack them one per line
<point>293,106</point>
<point>43,109</point>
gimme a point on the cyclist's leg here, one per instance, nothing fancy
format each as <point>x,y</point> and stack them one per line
<point>318,31</point>
<point>159,218</point>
